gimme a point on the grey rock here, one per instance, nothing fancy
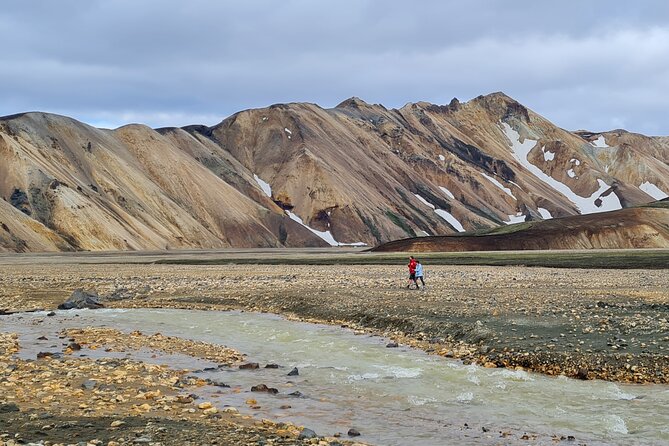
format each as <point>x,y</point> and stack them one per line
<point>353,432</point>
<point>81,299</point>
<point>306,434</point>
<point>294,372</point>
<point>9,407</point>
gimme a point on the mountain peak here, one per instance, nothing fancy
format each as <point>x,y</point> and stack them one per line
<point>353,102</point>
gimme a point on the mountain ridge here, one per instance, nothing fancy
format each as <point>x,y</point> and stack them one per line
<point>354,173</point>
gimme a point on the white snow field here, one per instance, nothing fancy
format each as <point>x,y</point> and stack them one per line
<point>448,193</point>
<point>600,142</point>
<point>266,188</point>
<point>499,185</point>
<point>518,218</point>
<point>545,213</point>
<point>443,214</point>
<point>653,190</point>
<point>325,235</point>
<point>585,205</point>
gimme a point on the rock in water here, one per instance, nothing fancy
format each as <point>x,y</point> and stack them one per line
<point>306,433</point>
<point>353,432</point>
<point>294,372</point>
<point>81,299</point>
<point>249,366</point>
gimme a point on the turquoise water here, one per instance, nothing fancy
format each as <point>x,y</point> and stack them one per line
<point>392,396</point>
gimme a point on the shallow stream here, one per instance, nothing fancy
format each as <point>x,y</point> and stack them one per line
<point>393,396</point>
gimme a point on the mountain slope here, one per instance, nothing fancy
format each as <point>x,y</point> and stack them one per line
<point>639,227</point>
<point>301,175</point>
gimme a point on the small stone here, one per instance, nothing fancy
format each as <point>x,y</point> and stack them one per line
<point>306,434</point>
<point>249,366</point>
<point>117,423</point>
<point>272,366</point>
<point>392,345</point>
<point>294,372</point>
<point>89,384</point>
<point>353,432</point>
<point>9,407</point>
<point>206,405</point>
<point>264,388</point>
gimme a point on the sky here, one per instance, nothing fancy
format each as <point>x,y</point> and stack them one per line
<point>587,64</point>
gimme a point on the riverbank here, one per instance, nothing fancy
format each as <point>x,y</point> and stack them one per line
<point>604,324</point>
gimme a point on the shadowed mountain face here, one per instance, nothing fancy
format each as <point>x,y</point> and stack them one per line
<point>300,175</point>
<point>639,227</point>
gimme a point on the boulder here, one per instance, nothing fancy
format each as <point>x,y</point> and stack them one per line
<point>81,299</point>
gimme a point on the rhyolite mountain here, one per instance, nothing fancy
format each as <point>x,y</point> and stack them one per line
<point>299,175</point>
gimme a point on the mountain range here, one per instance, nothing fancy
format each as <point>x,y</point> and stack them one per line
<point>298,175</point>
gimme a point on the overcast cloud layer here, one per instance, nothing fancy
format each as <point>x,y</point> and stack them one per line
<point>594,65</point>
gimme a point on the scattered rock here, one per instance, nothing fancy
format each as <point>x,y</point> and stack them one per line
<point>294,372</point>
<point>9,407</point>
<point>392,345</point>
<point>89,384</point>
<point>306,434</point>
<point>353,432</point>
<point>81,299</point>
<point>272,366</point>
<point>264,388</point>
<point>249,366</point>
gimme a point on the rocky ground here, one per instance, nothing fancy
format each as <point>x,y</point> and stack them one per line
<point>607,324</point>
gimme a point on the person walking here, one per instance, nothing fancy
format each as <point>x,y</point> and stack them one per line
<point>419,274</point>
<point>412,272</point>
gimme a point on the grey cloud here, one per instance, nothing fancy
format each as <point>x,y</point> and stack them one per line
<point>581,64</point>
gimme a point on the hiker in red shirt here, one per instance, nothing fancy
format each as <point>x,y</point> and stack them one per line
<point>412,272</point>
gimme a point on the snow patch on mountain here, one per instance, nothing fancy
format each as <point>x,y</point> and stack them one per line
<point>518,218</point>
<point>653,190</point>
<point>443,214</point>
<point>548,156</point>
<point>325,235</point>
<point>545,213</point>
<point>447,192</point>
<point>266,188</point>
<point>600,142</point>
<point>499,185</point>
<point>585,205</point>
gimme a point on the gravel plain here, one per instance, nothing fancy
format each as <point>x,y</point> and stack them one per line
<point>586,324</point>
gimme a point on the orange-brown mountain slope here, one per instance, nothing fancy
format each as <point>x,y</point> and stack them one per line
<point>301,175</point>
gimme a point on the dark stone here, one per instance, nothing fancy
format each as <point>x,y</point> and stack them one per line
<point>264,388</point>
<point>81,299</point>
<point>9,407</point>
<point>353,432</point>
<point>392,345</point>
<point>19,199</point>
<point>42,355</point>
<point>571,438</point>
<point>51,313</point>
<point>296,394</point>
<point>74,346</point>
<point>294,372</point>
<point>249,366</point>
<point>42,338</point>
<point>582,373</point>
<point>272,366</point>
<point>306,434</point>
